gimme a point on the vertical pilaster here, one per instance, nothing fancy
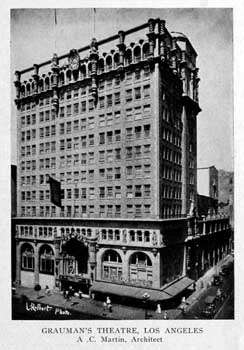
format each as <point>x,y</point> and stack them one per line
<point>55,70</point>
<point>121,46</point>
<point>18,262</point>
<point>151,37</point>
<point>36,269</point>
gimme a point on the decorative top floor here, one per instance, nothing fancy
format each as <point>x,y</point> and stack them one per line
<point>174,50</point>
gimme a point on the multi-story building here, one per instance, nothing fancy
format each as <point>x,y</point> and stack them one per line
<point>118,130</point>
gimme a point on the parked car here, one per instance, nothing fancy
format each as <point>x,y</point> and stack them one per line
<point>217,280</point>
<point>210,307</point>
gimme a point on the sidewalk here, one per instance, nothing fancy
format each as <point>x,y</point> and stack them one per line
<point>92,307</point>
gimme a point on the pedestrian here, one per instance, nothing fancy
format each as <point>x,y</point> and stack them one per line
<point>47,291</point>
<point>158,311</point>
<point>165,315</point>
<point>64,293</point>
<point>67,295</point>
<point>110,308</point>
<point>108,301</point>
<point>80,294</point>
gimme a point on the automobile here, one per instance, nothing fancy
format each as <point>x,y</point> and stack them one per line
<point>210,307</point>
<point>217,280</point>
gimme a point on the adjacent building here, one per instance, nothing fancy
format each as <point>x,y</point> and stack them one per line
<point>118,130</point>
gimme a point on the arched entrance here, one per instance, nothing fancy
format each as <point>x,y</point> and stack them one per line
<point>140,269</point>
<point>74,265</point>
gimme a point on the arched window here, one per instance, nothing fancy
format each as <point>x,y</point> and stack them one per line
<point>61,78</point>
<point>109,63</point>
<point>116,60</point>
<point>146,51</point>
<point>68,76</point>
<point>111,266</point>
<point>101,65</point>
<point>83,71</point>
<point>46,260</point>
<point>33,87</point>
<point>41,85</point>
<point>22,91</point>
<point>28,89</point>
<point>140,268</point>
<point>137,54</point>
<point>47,84</point>
<point>128,57</point>
<point>27,257</point>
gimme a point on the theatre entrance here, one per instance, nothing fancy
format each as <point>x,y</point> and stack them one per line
<point>74,267</point>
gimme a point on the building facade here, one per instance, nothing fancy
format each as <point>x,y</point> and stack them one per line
<point>118,130</point>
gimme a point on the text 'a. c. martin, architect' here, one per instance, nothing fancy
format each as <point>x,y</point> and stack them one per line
<point>107,167</point>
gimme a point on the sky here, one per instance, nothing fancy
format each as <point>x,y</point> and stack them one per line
<point>34,39</point>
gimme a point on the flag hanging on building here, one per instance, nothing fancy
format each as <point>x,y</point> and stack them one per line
<point>55,191</point>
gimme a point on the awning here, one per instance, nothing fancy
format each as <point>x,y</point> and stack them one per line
<point>128,291</point>
<point>178,286</point>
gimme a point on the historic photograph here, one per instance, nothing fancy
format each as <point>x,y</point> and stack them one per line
<point>122,178</point>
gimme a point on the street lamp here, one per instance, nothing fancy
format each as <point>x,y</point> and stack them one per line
<point>146,297</point>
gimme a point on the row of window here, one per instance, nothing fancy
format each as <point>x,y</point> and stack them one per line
<point>110,210</point>
<point>169,192</point>
<point>28,135</point>
<point>170,155</point>
<point>28,120</point>
<point>65,79</point>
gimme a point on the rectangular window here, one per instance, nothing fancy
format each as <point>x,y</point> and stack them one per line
<point>91,140</point>
<point>101,138</point>
<point>117,134</point>
<point>91,175</point>
<point>83,90</point>
<point>109,119</point>
<point>83,158</point>
<point>146,91</point>
<point>129,134</point>
<point>147,209</point>
<point>83,106</point>
<point>118,192</point>
<point>91,122</point>
<point>69,144</point>
<point>129,209</point>
<point>138,171</point>
<point>102,174</point>
<point>76,108</point>
<point>102,192</point>
<point>117,211</point>
<point>109,192</point>
<point>117,174</point>
<point>146,110</point>
<point>76,93</point>
<point>91,105</point>
<point>101,102</point>
<point>147,170</point>
<point>129,115</point>
<point>138,151</point>
<point>101,120</point>
<point>53,130</point>
<point>68,110</point>
<point>147,129</point>
<point>61,112</point>
<point>109,101</point>
<point>129,172</point>
<point>101,156</point>
<point>101,210</point>
<point>101,82</point>
<point>109,174</point>
<point>91,157</point>
<point>83,124</point>
<point>68,127</point>
<point>128,152</point>
<point>47,116</point>
<point>129,192</point>
<point>138,212</point>
<point>76,159</point>
<point>76,125</point>
<point>83,193</point>
<point>128,95</point>
<point>76,143</point>
<point>117,154</point>
<point>137,74</point>
<point>110,136</point>
<point>137,112</point>
<point>147,190</point>
<point>138,93</point>
<point>109,211</point>
<point>117,98</point>
<point>147,149</point>
<point>83,176</point>
<point>138,192</point>
<point>138,132</point>
<point>109,155</point>
<point>83,141</point>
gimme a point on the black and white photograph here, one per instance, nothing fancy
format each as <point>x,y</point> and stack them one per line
<point>122,164</point>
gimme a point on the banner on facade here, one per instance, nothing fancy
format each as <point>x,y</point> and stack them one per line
<point>55,191</point>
